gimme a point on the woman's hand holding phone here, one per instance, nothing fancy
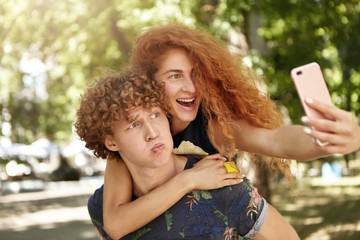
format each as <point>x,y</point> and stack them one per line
<point>333,130</point>
<point>338,129</point>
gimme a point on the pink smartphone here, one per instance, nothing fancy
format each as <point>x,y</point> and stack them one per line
<point>310,83</point>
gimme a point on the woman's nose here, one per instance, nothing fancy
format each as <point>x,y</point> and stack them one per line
<point>188,85</point>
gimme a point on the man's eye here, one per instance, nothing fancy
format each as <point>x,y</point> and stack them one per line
<point>155,115</point>
<point>133,125</point>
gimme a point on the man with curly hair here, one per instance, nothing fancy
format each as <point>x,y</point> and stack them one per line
<point>124,117</point>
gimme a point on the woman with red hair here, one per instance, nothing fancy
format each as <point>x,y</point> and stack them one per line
<point>216,106</point>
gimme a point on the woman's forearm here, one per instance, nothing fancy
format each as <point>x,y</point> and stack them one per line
<point>293,143</point>
<point>289,142</point>
<point>122,218</point>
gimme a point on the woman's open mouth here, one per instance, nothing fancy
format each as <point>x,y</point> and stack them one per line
<point>186,102</point>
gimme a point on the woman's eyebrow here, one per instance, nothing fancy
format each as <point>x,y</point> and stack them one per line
<point>172,70</point>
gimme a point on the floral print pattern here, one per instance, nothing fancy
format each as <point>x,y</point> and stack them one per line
<point>255,201</point>
<point>227,213</point>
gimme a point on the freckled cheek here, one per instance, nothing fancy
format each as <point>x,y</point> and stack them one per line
<point>170,93</point>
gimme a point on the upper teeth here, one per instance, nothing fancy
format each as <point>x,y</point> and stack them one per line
<point>185,100</point>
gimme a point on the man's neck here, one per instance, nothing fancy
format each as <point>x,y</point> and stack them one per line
<point>145,180</point>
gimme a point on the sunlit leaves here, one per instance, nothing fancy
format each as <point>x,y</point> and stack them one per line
<point>73,38</point>
<point>303,31</point>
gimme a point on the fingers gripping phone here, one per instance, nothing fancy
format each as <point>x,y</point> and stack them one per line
<point>310,83</point>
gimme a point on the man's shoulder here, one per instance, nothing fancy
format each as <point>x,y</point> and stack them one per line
<point>95,205</point>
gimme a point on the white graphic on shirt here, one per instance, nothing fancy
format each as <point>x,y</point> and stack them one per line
<point>188,148</point>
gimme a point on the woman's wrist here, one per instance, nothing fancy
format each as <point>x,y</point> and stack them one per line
<point>185,180</point>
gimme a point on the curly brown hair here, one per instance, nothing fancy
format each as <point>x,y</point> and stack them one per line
<point>110,100</point>
<point>228,88</point>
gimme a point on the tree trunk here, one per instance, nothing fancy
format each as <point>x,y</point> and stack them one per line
<point>261,180</point>
<point>123,45</point>
<point>260,166</point>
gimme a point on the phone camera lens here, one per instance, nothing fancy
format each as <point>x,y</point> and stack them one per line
<point>298,72</point>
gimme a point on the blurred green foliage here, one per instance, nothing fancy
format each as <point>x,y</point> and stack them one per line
<point>301,31</point>
<point>50,50</point>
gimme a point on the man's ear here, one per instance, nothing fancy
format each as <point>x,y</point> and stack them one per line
<point>110,143</point>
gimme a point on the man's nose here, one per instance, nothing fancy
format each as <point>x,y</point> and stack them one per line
<point>151,132</point>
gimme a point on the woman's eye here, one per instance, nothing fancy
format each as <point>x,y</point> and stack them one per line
<point>175,76</point>
<point>155,115</point>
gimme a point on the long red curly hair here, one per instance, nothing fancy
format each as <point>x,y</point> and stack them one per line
<point>228,88</point>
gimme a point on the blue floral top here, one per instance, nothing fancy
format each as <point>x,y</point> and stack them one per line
<point>235,212</point>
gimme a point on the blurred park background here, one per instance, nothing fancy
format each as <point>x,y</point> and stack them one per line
<point>50,50</point>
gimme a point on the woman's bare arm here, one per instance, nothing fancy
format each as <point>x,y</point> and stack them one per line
<point>122,216</point>
<point>294,142</point>
<point>288,142</point>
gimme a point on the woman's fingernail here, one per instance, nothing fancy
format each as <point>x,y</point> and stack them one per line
<point>309,100</point>
<point>321,144</point>
<point>307,130</point>
<point>304,119</point>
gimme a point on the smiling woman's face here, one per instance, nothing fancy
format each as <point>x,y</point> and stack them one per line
<point>176,70</point>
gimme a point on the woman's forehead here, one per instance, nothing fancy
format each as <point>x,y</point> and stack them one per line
<point>172,58</point>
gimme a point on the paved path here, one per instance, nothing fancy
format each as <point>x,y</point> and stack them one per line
<point>58,212</point>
